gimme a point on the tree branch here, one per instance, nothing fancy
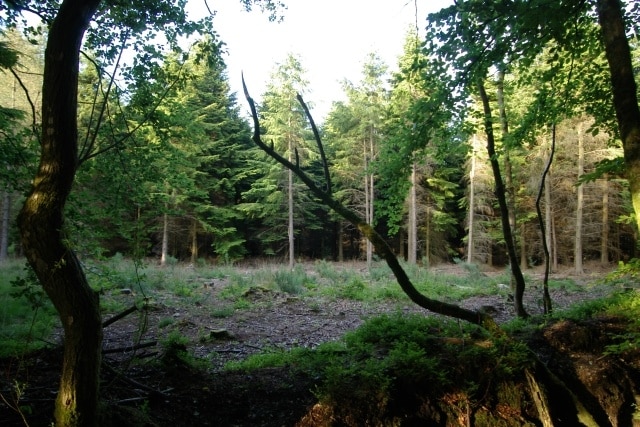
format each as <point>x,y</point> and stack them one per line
<point>380,245</point>
<point>316,135</point>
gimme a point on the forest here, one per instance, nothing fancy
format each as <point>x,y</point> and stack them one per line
<point>168,168</point>
<point>505,138</point>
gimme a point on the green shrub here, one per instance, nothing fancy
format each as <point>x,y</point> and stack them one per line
<point>27,317</point>
<point>291,281</point>
<point>327,271</point>
<point>176,355</point>
<point>165,321</point>
<point>222,312</point>
<point>354,289</point>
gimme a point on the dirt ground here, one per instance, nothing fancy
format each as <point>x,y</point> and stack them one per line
<point>185,397</point>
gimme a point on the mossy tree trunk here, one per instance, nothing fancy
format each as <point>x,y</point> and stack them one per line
<point>625,100</point>
<point>41,220</point>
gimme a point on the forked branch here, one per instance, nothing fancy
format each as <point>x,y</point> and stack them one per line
<point>380,245</point>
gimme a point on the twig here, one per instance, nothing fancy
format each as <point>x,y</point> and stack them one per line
<point>119,316</point>
<point>129,348</point>
<point>316,136</point>
<point>133,382</point>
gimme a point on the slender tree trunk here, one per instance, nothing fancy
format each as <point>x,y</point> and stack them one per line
<point>367,204</point>
<point>427,236</point>
<point>502,201</point>
<point>625,100</point>
<point>524,263</point>
<point>412,247</point>
<point>577,250</point>
<point>554,237</point>
<point>546,296</point>
<point>508,169</point>
<point>604,239</point>
<point>548,217</point>
<point>164,252</point>
<point>472,177</point>
<point>368,190</point>
<point>370,219</point>
<point>41,220</point>
<point>194,241</point>
<point>290,231</point>
<point>340,242</point>
<point>4,229</point>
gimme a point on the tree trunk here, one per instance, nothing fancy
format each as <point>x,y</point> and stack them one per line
<point>164,252</point>
<point>625,100</point>
<point>412,232</point>
<point>41,220</point>
<point>4,230</point>
<point>508,170</point>
<point>548,222</point>
<point>524,262</point>
<point>604,239</point>
<point>290,230</point>
<point>472,176</point>
<point>546,297</point>
<point>427,236</point>
<point>577,251</point>
<point>340,242</point>
<point>554,238</point>
<point>371,203</point>
<point>502,201</point>
<point>368,193</point>
<point>367,204</point>
<point>194,241</point>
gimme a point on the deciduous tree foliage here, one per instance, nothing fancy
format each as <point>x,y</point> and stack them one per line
<point>475,38</point>
<point>42,217</point>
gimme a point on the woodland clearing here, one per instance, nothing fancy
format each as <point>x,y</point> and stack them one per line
<point>216,320</point>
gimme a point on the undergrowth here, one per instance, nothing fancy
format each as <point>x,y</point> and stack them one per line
<point>27,317</point>
<point>396,352</point>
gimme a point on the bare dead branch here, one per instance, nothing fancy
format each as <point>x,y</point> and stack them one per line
<point>130,348</point>
<point>316,135</point>
<point>120,375</point>
<point>380,245</point>
<point>34,121</point>
<point>119,316</point>
<point>91,137</point>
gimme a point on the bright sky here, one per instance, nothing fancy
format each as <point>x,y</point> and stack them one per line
<point>332,38</point>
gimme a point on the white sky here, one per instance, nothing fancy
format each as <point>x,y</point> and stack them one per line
<point>332,38</point>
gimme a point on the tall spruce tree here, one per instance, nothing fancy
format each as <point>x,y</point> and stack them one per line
<point>285,210</point>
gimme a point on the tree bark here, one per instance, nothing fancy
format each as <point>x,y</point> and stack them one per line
<point>508,170</point>
<point>519,284</point>
<point>472,177</point>
<point>625,100</point>
<point>604,236</point>
<point>543,189</point>
<point>41,220</point>
<point>577,250</point>
<point>164,251</point>
<point>412,232</point>
<point>548,224</point>
<point>194,241</point>
<point>290,229</point>
<point>371,198</point>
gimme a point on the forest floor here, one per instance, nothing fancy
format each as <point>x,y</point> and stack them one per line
<point>146,392</point>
